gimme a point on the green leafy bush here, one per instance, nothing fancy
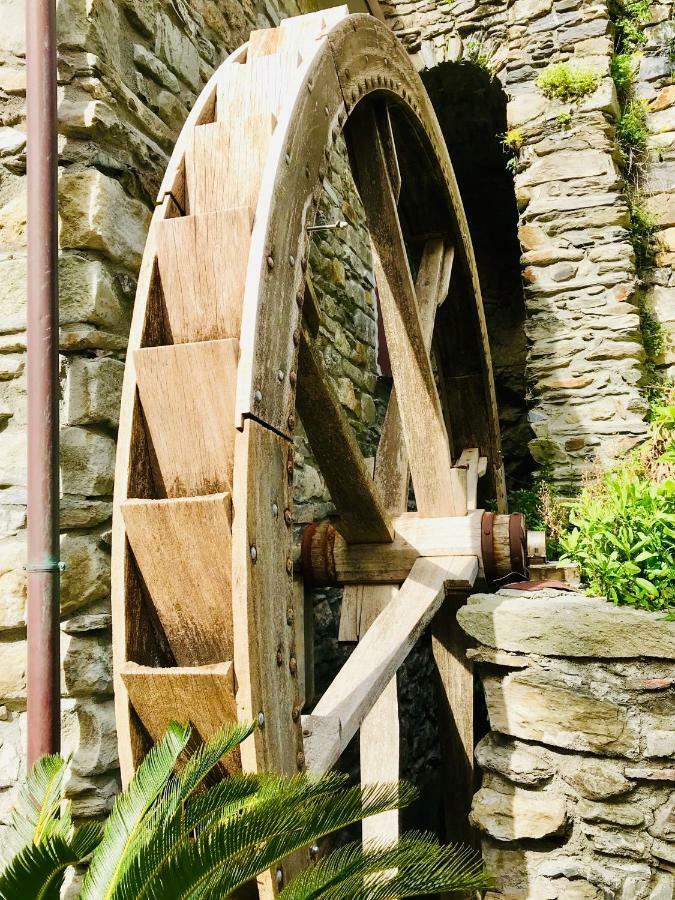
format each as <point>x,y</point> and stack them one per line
<point>564,120</point>
<point>513,140</point>
<point>564,82</point>
<point>623,525</point>
<point>170,836</point>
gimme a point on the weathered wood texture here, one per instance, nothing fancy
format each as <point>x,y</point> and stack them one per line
<point>183,551</point>
<point>351,486</point>
<point>380,653</point>
<point>265,654</point>
<point>187,395</point>
<point>202,262</point>
<point>202,696</point>
<point>437,489</point>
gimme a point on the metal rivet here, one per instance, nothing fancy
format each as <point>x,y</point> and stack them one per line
<point>289,566</point>
<point>293,665</point>
<point>270,262</point>
<point>295,713</point>
<point>257,396</point>
<point>291,421</point>
<point>261,719</point>
<point>300,759</point>
<point>288,517</point>
<point>280,657</point>
<point>292,378</point>
<point>275,510</point>
<point>290,615</point>
<point>254,552</point>
<point>280,375</point>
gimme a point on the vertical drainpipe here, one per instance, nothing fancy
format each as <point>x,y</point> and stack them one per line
<point>43,567</point>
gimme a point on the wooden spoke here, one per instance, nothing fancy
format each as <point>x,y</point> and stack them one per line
<point>438,489</point>
<point>356,497</point>
<point>379,655</point>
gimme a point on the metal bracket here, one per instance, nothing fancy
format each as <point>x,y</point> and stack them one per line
<point>55,566</point>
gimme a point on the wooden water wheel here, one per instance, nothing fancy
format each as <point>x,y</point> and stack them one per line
<point>207,607</point>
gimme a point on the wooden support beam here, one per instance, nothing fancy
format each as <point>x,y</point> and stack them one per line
<point>187,392</point>
<point>438,489</point>
<point>379,655</point>
<point>379,734</point>
<point>469,460</point>
<point>189,585</point>
<point>362,513</point>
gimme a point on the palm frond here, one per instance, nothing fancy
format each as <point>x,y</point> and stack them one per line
<point>225,857</point>
<point>111,858</point>
<point>36,811</point>
<point>418,864</point>
<point>38,870</point>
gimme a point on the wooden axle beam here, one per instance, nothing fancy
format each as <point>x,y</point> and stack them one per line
<point>499,542</point>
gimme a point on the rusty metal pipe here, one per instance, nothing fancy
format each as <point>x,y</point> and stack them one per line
<point>43,568</point>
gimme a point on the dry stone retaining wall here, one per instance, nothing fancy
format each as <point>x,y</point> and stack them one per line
<point>578,772</point>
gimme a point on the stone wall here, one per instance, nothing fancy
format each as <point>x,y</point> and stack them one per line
<point>655,84</point>
<point>578,786</point>
<point>129,70</point>
<point>585,354</point>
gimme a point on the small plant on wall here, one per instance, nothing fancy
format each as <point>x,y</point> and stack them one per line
<point>566,83</point>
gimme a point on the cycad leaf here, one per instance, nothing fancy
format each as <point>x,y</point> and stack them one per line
<point>37,872</point>
<point>227,856</point>
<point>112,856</point>
<point>416,865</point>
<point>35,813</point>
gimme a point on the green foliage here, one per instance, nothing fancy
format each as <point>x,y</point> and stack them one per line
<point>480,53</point>
<point>513,140</point>
<point>623,69</point>
<point>543,509</point>
<point>641,234</point>
<point>565,82</point>
<point>632,134</point>
<point>170,835</point>
<point>623,533</point>
<point>629,21</point>
<point>564,120</point>
<point>653,340</point>
<point>41,841</point>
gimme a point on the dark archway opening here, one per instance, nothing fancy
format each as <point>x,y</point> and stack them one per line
<point>471,108</point>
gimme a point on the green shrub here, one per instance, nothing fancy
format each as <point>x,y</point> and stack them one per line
<point>564,120</point>
<point>623,70</point>
<point>565,82</point>
<point>623,525</point>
